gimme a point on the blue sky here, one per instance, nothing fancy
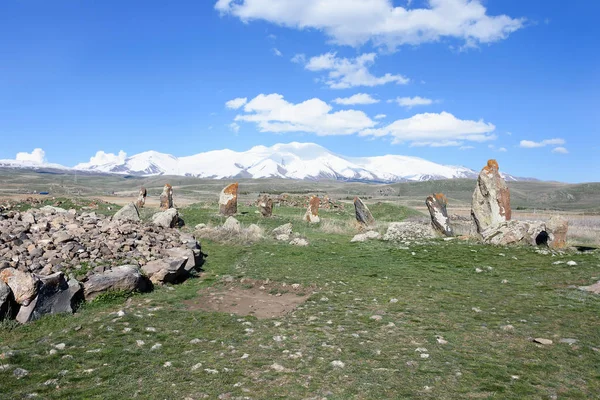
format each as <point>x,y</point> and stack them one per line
<point>452,81</point>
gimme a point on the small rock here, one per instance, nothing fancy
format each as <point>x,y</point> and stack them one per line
<point>20,373</point>
<point>542,341</point>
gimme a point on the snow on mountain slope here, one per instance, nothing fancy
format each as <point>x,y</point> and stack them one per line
<point>29,164</point>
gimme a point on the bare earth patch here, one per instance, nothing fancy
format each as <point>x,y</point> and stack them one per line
<point>250,298</point>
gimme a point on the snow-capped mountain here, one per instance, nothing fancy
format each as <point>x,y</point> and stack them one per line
<point>28,164</point>
<point>290,161</point>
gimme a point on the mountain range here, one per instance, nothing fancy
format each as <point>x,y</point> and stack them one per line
<point>288,161</point>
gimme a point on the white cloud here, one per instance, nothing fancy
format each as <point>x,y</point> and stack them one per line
<point>502,149</point>
<point>466,147</point>
<point>529,144</point>
<point>274,114</point>
<point>560,150</point>
<point>277,52</point>
<point>234,127</point>
<point>380,116</point>
<point>431,129</point>
<point>379,21</point>
<point>345,73</point>
<point>410,102</point>
<point>359,98</point>
<point>102,158</point>
<point>299,59</point>
<point>236,103</point>
<point>37,156</point>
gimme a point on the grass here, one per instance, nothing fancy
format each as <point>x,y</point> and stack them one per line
<point>439,294</point>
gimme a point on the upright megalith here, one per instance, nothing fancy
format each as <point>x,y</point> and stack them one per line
<point>166,197</point>
<point>141,200</point>
<point>265,205</point>
<point>437,206</point>
<point>312,212</point>
<point>228,200</point>
<point>363,215</point>
<point>491,198</point>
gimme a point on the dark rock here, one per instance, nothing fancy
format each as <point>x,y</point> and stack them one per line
<point>126,278</point>
<point>363,215</point>
<point>437,206</point>
<point>167,270</point>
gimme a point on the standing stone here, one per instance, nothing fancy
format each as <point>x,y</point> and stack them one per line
<point>312,212</point>
<point>363,215</point>
<point>141,200</point>
<point>166,197</point>
<point>228,200</point>
<point>557,227</point>
<point>491,198</point>
<point>437,204</point>
<point>265,206</point>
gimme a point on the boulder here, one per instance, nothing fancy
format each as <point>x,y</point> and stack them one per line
<point>408,231</point>
<point>128,213</point>
<point>491,199</point>
<point>363,237</point>
<point>193,257</point>
<point>55,295</point>
<point>166,197</point>
<point>23,285</point>
<point>233,225</point>
<point>557,230</point>
<point>436,204</point>
<point>228,200</point>
<point>166,219</point>
<point>265,206</point>
<point>167,270</point>
<point>8,305</point>
<point>126,278</point>
<point>282,232</point>
<point>517,232</point>
<point>312,212</point>
<point>363,215</point>
<point>141,200</point>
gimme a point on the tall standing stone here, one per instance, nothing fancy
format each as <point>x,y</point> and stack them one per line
<point>491,199</point>
<point>312,212</point>
<point>265,205</point>
<point>228,200</point>
<point>166,197</point>
<point>363,215</point>
<point>437,205</point>
<point>141,200</point>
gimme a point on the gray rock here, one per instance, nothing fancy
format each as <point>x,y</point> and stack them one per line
<point>362,213</point>
<point>23,285</point>
<point>128,213</point>
<point>61,237</point>
<point>491,199</point>
<point>52,210</point>
<point>299,242</point>
<point>166,219</point>
<point>167,270</point>
<point>55,296</point>
<point>516,232</point>
<point>124,278</point>
<point>29,218</point>
<point>436,204</point>
<point>232,224</point>
<point>193,257</point>
<point>285,229</point>
<point>402,231</point>
<point>363,237</point>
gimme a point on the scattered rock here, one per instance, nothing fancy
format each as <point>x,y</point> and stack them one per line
<point>265,206</point>
<point>20,373</point>
<point>363,237</point>
<point>124,278</point>
<point>283,230</point>
<point>167,219</point>
<point>299,242</point>
<point>166,270</point>
<point>363,215</point>
<point>312,212</point>
<point>166,197</point>
<point>128,213</point>
<point>228,200</point>
<point>437,206</point>
<point>491,198</point>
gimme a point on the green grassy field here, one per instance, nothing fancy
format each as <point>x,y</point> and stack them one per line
<point>441,320</point>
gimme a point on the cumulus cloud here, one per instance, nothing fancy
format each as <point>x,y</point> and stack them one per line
<point>344,73</point>
<point>436,130</point>
<point>529,144</point>
<point>236,103</point>
<point>37,156</point>
<point>410,102</point>
<point>379,21</point>
<point>102,158</point>
<point>272,113</point>
<point>560,150</point>
<point>359,98</point>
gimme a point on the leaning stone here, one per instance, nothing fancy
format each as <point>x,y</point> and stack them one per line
<point>557,229</point>
<point>128,213</point>
<point>166,219</point>
<point>363,215</point>
<point>265,206</point>
<point>312,212</point>
<point>491,199</point>
<point>166,197</point>
<point>124,278</point>
<point>23,285</point>
<point>228,200</point>
<point>55,296</point>
<point>167,270</point>
<point>437,206</point>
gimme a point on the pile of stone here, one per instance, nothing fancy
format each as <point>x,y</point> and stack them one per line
<point>230,231</point>
<point>42,251</point>
<point>408,231</point>
<point>284,233</point>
